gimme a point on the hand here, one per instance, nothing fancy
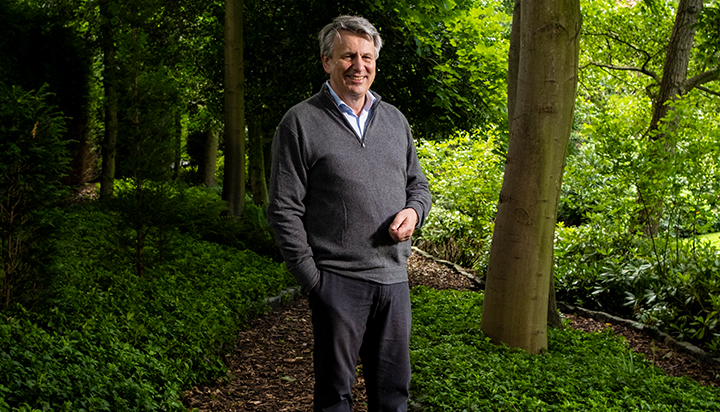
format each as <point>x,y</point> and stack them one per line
<point>403,226</point>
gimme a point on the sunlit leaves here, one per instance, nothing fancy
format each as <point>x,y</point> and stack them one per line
<point>465,174</point>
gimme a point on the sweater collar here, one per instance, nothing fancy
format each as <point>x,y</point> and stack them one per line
<point>329,99</point>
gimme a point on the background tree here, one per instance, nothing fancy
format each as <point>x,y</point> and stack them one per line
<point>38,47</point>
<point>541,94</point>
<point>108,23</point>
<point>670,66</point>
<point>234,180</point>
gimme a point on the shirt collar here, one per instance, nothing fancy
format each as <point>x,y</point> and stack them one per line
<point>369,99</point>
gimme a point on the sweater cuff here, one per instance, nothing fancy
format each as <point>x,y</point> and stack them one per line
<point>306,274</point>
<point>418,208</point>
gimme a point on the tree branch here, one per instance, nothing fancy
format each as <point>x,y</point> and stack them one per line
<point>700,79</point>
<point>616,37</point>
<point>706,90</point>
<point>625,68</point>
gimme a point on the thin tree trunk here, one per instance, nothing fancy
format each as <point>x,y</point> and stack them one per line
<point>258,184</point>
<point>178,145</point>
<point>107,177</point>
<point>544,67</point>
<point>234,179</point>
<point>677,59</point>
<point>553,317</point>
<point>209,166</point>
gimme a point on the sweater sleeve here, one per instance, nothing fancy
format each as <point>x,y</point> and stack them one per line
<point>417,190</point>
<point>288,187</point>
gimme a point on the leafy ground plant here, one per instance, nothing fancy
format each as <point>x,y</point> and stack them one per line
<point>465,175</point>
<point>109,340</point>
<point>455,368</point>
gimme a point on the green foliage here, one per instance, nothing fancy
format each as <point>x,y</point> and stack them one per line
<point>197,211</point>
<point>676,291</point>
<point>641,198</point>
<point>37,49</point>
<point>708,32</point>
<point>618,35</point>
<point>33,160</point>
<point>456,52</point>
<point>467,43</point>
<point>465,175</point>
<point>107,340</point>
<point>455,368</point>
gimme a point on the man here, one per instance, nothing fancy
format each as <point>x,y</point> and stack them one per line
<point>346,194</point>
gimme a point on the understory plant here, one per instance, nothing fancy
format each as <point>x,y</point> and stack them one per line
<point>109,340</point>
<point>465,174</point>
<point>456,368</point>
<point>642,203</point>
<point>33,160</point>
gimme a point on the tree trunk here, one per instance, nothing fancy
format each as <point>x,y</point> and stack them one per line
<point>178,146</point>
<point>234,180</point>
<point>110,106</point>
<point>209,165</point>
<point>541,101</point>
<point>677,59</point>
<point>553,317</point>
<point>258,184</point>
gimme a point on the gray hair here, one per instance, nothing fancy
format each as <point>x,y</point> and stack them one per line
<point>354,24</point>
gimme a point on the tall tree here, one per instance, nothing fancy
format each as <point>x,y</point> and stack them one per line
<point>256,163</point>
<point>665,65</point>
<point>108,18</point>
<point>673,85</point>
<point>543,64</point>
<point>234,179</point>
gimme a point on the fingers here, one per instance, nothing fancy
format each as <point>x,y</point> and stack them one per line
<point>403,226</point>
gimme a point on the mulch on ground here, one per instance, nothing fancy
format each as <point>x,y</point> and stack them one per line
<point>271,367</point>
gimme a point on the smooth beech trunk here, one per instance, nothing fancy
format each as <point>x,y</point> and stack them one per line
<point>234,179</point>
<point>541,96</point>
<point>209,160</point>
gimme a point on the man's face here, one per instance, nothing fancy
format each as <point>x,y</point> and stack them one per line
<point>352,67</point>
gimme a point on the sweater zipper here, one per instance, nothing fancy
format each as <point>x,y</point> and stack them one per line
<point>369,121</point>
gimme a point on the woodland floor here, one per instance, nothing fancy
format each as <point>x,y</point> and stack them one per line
<point>271,367</point>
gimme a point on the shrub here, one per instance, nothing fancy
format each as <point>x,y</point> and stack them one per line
<point>197,211</point>
<point>465,175</point>
<point>33,159</point>
<point>674,286</point>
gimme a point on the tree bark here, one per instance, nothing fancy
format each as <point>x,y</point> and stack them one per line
<point>178,146</point>
<point>553,317</point>
<point>234,179</point>
<point>677,59</point>
<point>209,165</point>
<point>541,98</point>
<point>110,106</point>
<point>256,167</point>
<point>672,87</point>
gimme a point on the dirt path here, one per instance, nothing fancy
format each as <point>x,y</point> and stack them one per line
<point>271,368</point>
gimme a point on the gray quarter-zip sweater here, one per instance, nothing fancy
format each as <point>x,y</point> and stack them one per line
<point>333,195</point>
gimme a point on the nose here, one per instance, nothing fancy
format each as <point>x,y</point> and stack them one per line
<point>356,63</point>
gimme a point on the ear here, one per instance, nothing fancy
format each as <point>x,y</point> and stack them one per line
<point>325,63</point>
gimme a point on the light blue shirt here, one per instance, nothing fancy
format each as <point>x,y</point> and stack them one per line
<point>358,123</point>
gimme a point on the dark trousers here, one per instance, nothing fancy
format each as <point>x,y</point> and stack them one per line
<point>350,318</point>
